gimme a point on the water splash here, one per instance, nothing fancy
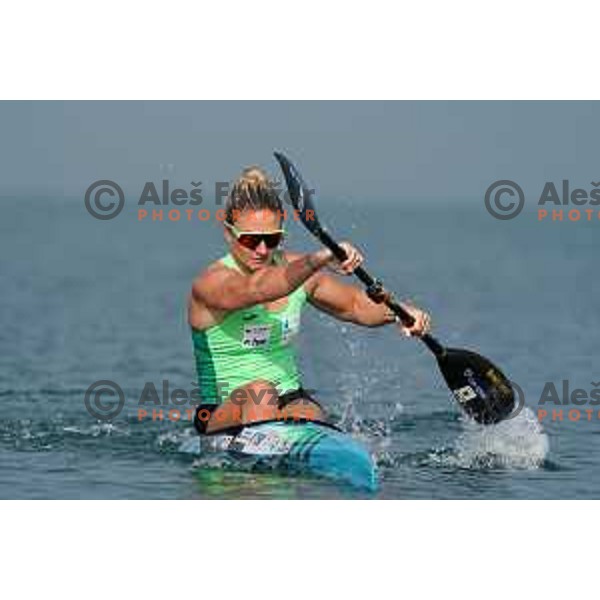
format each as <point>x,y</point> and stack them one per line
<point>96,430</point>
<point>181,441</point>
<point>519,443</point>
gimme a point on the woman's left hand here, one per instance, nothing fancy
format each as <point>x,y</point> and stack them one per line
<point>422,324</point>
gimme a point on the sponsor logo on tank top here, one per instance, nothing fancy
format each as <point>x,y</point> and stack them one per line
<point>256,336</point>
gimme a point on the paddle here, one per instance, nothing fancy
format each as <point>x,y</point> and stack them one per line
<point>480,388</point>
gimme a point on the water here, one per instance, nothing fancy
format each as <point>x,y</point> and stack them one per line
<point>86,300</point>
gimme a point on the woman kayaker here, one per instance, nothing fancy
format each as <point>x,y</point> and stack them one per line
<point>244,311</point>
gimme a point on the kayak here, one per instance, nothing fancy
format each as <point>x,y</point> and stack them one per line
<point>306,447</point>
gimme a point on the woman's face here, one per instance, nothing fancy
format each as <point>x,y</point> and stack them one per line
<point>254,221</point>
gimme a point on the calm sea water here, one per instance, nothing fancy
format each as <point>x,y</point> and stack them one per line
<point>85,300</point>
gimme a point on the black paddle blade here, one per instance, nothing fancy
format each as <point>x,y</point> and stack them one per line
<point>481,389</point>
<point>299,192</point>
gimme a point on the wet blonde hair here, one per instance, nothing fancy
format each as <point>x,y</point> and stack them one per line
<point>253,190</point>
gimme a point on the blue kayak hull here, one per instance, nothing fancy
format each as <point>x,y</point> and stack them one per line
<point>313,448</point>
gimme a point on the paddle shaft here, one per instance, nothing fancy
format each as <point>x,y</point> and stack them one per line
<point>373,284</point>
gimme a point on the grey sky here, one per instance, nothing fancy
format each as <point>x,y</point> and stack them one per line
<point>378,150</point>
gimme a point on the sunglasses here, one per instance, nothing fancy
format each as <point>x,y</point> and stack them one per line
<point>252,239</point>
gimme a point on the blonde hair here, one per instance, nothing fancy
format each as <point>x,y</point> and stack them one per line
<point>253,190</point>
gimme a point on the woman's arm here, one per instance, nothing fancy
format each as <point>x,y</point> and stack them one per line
<point>348,303</point>
<point>225,289</point>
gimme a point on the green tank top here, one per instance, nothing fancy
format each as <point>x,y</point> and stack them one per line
<point>248,344</point>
